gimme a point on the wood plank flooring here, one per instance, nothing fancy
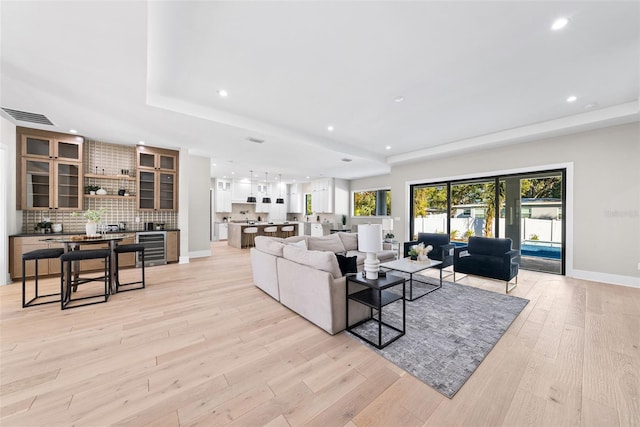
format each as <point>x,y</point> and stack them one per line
<point>202,346</point>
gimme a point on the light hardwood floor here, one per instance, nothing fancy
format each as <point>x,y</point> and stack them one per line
<point>203,346</point>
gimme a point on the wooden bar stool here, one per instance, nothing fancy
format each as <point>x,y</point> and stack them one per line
<point>249,236</point>
<point>36,256</point>
<point>271,231</point>
<point>70,280</point>
<point>286,231</point>
<point>124,249</point>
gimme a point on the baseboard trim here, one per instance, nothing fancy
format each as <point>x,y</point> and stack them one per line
<point>612,279</point>
<point>183,260</point>
<point>200,254</point>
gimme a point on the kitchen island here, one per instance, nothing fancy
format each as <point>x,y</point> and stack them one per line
<point>235,230</point>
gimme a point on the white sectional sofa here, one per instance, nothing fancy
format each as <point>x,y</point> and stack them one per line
<point>308,280</point>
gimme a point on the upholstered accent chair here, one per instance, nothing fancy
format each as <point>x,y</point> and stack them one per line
<point>488,257</point>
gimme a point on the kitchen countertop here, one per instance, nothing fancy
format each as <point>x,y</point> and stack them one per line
<point>70,233</point>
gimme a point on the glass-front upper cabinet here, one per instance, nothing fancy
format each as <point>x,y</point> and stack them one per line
<point>52,147</point>
<point>157,179</point>
<point>50,175</point>
<point>158,159</point>
<point>49,184</point>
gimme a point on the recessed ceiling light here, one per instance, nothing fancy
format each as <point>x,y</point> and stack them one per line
<point>572,98</point>
<point>307,177</point>
<point>73,131</point>
<point>141,142</point>
<point>223,93</point>
<point>233,173</point>
<point>213,164</point>
<point>398,99</point>
<point>388,147</point>
<point>224,176</point>
<point>559,24</point>
<point>330,128</point>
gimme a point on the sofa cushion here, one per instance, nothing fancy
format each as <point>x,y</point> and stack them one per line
<point>300,243</point>
<point>331,243</point>
<point>349,241</point>
<point>270,245</point>
<point>294,239</point>
<point>320,260</point>
<point>347,264</point>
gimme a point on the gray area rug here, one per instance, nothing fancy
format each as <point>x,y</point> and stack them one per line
<point>448,332</point>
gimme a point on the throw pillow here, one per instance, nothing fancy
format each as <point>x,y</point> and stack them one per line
<point>347,264</point>
<point>301,244</point>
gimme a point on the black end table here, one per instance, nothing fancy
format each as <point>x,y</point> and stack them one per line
<point>375,297</point>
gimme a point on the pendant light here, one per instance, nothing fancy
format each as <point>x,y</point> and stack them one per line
<point>251,198</point>
<point>266,198</point>
<point>280,200</point>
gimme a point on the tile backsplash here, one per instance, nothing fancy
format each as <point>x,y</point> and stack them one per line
<point>103,158</point>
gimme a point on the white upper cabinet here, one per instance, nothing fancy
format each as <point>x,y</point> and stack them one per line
<point>294,198</point>
<point>223,195</point>
<point>322,195</point>
<point>240,191</point>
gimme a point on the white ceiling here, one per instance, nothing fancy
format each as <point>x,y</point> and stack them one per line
<point>472,74</point>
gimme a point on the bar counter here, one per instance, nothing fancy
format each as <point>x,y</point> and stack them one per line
<point>235,230</point>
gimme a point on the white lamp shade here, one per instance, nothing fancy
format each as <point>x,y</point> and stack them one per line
<point>370,237</point>
<point>387,224</point>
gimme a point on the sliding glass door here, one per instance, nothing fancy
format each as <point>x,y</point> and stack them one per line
<point>429,209</point>
<point>531,216</point>
<point>527,208</point>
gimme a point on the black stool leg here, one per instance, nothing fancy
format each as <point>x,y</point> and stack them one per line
<point>24,284</point>
<point>143,282</point>
<point>116,271</point>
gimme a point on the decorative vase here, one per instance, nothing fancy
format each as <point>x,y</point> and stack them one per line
<point>422,258</point>
<point>414,257</point>
<point>93,193</point>
<point>91,228</point>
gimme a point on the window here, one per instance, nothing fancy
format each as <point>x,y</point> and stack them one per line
<point>372,203</point>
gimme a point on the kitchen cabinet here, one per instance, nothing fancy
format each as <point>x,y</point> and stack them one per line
<point>264,190</point>
<point>22,245</point>
<point>294,199</point>
<point>223,196</point>
<point>222,230</point>
<point>157,179</point>
<point>322,195</point>
<point>49,171</point>
<point>317,230</point>
<point>240,191</point>
<point>173,246</point>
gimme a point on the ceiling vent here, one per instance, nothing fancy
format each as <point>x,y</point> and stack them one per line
<point>256,140</point>
<point>346,160</point>
<point>24,116</point>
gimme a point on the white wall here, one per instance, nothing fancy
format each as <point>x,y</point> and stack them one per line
<point>8,215</point>
<point>198,205</point>
<point>603,224</point>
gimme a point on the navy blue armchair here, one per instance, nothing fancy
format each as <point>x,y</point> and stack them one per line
<point>488,257</point>
<point>442,248</point>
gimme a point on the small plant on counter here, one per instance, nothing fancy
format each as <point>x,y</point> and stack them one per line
<point>90,188</point>
<point>43,227</point>
<point>91,215</point>
<point>389,236</point>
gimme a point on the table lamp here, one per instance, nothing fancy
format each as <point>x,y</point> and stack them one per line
<point>370,242</point>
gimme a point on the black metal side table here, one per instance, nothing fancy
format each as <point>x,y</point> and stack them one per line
<point>376,297</point>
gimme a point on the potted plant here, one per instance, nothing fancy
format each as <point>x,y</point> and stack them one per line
<point>93,217</point>
<point>43,227</point>
<point>344,220</point>
<point>413,253</point>
<point>389,237</point>
<point>91,189</point>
